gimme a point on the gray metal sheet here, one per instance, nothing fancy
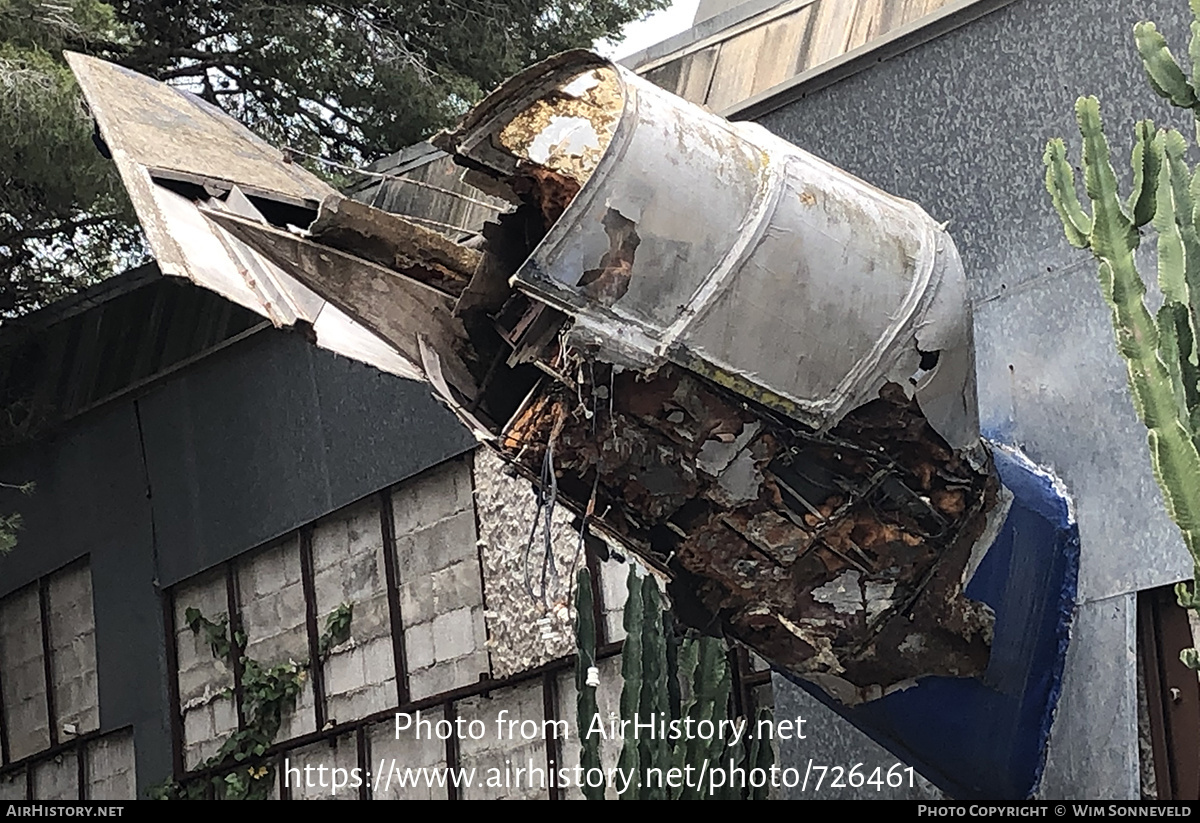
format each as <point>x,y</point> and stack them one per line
<point>271,434</point>
<point>959,125</point>
<point>1093,743</point>
<point>832,741</point>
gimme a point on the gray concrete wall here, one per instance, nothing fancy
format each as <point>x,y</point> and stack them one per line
<point>22,666</point>
<point>441,591</point>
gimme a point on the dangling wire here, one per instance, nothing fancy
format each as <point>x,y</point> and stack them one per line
<point>547,495</point>
<point>581,547</point>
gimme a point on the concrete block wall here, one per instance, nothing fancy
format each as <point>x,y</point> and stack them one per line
<point>338,753</point>
<point>109,767</point>
<point>502,748</point>
<point>460,533</point>
<point>23,674</point>
<point>348,567</point>
<point>408,750</point>
<point>613,592</point>
<point>72,628</point>
<point>57,778</point>
<point>271,603</point>
<point>12,785</point>
<point>441,591</point>
<point>608,701</point>
<point>209,715</point>
<point>108,772</point>
<point>71,636</point>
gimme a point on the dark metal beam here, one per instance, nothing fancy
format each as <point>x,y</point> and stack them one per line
<point>316,669</point>
<point>550,713</point>
<point>47,667</point>
<point>236,651</point>
<point>169,628</point>
<point>391,573</point>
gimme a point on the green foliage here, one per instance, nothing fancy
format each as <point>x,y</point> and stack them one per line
<point>268,693</point>
<point>346,81</point>
<point>65,221</point>
<point>585,665</point>
<point>1159,351</point>
<point>668,676</point>
<point>337,629</point>
<point>11,523</point>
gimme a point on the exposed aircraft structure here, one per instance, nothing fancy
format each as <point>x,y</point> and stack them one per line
<point>751,368</point>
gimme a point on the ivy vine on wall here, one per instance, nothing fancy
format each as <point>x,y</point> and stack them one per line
<point>268,693</point>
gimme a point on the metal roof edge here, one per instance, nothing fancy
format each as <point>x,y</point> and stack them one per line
<point>700,31</point>
<point>107,289</point>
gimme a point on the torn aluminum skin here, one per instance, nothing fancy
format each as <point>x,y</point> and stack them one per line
<point>729,251</point>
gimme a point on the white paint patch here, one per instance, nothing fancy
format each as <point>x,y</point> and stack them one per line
<point>564,136</point>
<point>1060,488</point>
<point>843,593</point>
<point>879,597</point>
<point>991,530</point>
<point>580,86</point>
<point>913,644</point>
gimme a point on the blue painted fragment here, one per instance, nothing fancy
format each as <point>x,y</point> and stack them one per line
<point>986,738</point>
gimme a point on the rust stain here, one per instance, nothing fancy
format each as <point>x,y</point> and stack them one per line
<point>599,106</point>
<point>549,191</point>
<point>878,513</point>
<point>608,283</point>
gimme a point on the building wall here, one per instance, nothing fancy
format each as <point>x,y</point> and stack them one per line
<point>223,455</point>
<point>959,125</point>
<point>49,702</point>
<point>740,50</point>
<point>443,565</point>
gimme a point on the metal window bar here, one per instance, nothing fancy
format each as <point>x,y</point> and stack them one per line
<point>57,746</point>
<point>316,667</point>
<point>176,711</point>
<point>4,752</point>
<point>546,673</point>
<point>387,524</point>
<point>235,626</point>
<point>74,745</point>
<point>47,667</point>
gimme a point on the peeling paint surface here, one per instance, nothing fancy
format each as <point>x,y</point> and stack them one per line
<point>842,593</point>
<point>569,131</point>
<point>732,222</point>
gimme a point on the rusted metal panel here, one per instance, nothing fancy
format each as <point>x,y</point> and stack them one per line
<point>762,372</point>
<point>1172,694</point>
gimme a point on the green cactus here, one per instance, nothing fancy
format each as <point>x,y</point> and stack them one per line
<point>666,676</point>
<point>585,695</point>
<point>1160,351</point>
<point>631,672</point>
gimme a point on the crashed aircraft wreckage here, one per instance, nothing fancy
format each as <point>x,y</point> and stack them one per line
<point>751,368</point>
